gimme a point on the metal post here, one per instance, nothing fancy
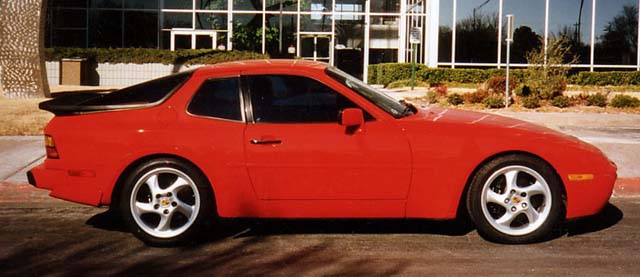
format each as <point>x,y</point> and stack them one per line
<point>509,41</point>
<point>413,66</point>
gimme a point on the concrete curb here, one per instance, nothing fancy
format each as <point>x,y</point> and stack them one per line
<point>627,187</point>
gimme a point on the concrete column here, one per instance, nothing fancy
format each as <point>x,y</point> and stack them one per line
<point>22,26</point>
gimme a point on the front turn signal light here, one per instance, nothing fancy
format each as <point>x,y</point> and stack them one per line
<point>50,145</point>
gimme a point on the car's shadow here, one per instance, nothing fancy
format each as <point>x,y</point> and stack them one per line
<point>225,228</point>
<point>608,217</point>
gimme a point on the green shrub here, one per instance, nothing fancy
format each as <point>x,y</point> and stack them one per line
<point>455,99</point>
<point>625,101</point>
<point>597,99</point>
<point>406,83</point>
<point>561,101</point>
<point>522,91</point>
<point>530,102</point>
<point>494,102</point>
<point>386,73</point>
<point>476,96</point>
<point>610,78</point>
<point>147,55</point>
<point>547,74</point>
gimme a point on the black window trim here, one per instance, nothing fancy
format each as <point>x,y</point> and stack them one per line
<point>240,92</point>
<point>244,83</point>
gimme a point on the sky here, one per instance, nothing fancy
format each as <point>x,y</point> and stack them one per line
<point>531,13</point>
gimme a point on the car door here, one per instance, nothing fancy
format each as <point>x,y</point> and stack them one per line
<point>297,150</point>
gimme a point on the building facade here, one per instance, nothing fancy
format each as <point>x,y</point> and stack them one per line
<point>352,34</point>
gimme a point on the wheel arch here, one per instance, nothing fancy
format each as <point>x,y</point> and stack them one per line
<point>462,203</point>
<point>115,192</point>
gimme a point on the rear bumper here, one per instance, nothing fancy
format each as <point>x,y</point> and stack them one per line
<point>80,189</point>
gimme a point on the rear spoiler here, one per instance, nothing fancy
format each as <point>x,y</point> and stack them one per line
<point>74,103</point>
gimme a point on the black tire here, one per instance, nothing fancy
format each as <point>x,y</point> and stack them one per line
<point>527,216</point>
<point>180,209</point>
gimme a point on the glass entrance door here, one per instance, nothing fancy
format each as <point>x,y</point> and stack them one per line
<point>315,47</point>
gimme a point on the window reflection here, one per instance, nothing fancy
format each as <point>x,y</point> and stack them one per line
<point>177,4</point>
<point>616,32</point>
<point>382,6</point>
<point>571,20</point>
<point>445,30</point>
<point>211,5</point>
<point>477,31</point>
<point>528,28</point>
<point>247,32</point>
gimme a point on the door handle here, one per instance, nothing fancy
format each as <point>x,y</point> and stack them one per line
<point>266,141</point>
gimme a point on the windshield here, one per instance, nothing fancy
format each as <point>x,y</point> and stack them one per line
<point>390,105</point>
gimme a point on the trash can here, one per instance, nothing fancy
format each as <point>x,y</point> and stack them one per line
<point>73,71</point>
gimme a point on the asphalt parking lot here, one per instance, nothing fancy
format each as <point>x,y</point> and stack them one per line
<point>45,236</point>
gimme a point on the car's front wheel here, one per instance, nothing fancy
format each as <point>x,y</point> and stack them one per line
<point>516,199</point>
<point>164,202</point>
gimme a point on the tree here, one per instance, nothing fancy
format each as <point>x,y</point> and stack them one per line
<point>477,38</point>
<point>524,41</point>
<point>618,44</point>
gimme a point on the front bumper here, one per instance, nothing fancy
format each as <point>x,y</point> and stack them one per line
<point>80,189</point>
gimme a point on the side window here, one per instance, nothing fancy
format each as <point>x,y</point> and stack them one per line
<point>218,98</point>
<point>292,99</point>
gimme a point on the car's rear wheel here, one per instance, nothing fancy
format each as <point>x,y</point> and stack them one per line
<point>164,202</point>
<point>516,199</point>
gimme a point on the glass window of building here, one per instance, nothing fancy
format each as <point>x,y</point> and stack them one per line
<point>211,21</point>
<point>282,5</point>
<point>571,22</point>
<point>140,29</point>
<point>445,31</point>
<point>178,4</point>
<point>316,6</point>
<point>616,32</point>
<point>106,4</point>
<point>247,32</point>
<point>315,23</point>
<point>383,39</point>
<point>141,4</point>
<point>280,35</point>
<point>177,20</point>
<point>528,31</point>
<point>68,3</point>
<point>382,6</point>
<point>247,5</point>
<point>216,5</point>
<point>105,28</point>
<point>477,31</point>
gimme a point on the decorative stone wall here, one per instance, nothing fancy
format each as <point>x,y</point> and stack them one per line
<point>21,48</point>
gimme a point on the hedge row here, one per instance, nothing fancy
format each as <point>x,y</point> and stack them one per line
<point>146,55</point>
<point>610,78</point>
<point>387,73</point>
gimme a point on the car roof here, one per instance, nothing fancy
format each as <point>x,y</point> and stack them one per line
<point>261,64</point>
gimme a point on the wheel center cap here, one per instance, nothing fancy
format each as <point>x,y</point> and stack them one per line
<point>515,200</point>
<point>164,202</point>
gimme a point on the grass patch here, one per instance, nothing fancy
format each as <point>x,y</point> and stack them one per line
<point>21,117</point>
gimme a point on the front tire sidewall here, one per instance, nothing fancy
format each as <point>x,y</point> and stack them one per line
<point>204,213</point>
<point>547,230</point>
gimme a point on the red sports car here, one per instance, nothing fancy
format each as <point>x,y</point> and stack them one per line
<point>298,139</point>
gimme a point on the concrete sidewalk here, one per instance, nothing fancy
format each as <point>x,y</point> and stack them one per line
<point>617,135</point>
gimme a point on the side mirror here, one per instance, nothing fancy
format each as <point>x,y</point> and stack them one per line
<point>352,117</point>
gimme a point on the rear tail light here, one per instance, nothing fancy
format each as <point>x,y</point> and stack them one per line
<point>50,145</point>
